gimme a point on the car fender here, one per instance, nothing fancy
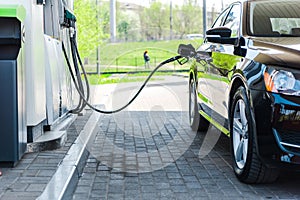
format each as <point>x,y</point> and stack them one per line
<point>238,79</point>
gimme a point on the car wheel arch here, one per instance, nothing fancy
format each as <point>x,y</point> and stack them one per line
<point>236,83</point>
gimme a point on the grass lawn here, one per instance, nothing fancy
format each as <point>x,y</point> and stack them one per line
<point>131,53</point>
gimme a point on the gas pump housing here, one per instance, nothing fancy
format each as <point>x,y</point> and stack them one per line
<point>37,93</point>
<point>12,85</point>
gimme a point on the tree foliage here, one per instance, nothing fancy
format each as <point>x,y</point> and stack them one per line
<point>89,28</point>
<point>135,24</point>
<point>155,21</point>
<point>187,19</point>
<point>123,29</point>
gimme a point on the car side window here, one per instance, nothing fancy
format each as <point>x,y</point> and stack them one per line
<point>220,19</point>
<point>233,20</point>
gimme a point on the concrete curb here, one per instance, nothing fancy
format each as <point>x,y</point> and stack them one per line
<point>64,181</point>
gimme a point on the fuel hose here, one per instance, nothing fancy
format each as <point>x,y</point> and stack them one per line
<point>79,86</point>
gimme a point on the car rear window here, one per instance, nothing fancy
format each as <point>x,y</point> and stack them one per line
<point>277,18</point>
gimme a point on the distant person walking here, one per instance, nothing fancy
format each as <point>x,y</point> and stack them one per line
<point>146,59</point>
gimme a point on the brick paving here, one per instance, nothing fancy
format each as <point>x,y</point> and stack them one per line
<point>31,175</point>
<point>125,163</point>
<point>146,154</point>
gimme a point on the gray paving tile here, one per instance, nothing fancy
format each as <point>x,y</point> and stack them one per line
<point>188,177</point>
<point>19,187</point>
<point>36,187</point>
<point>29,178</point>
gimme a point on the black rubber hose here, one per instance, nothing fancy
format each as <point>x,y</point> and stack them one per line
<point>72,76</point>
<point>133,98</point>
<point>83,71</point>
<point>81,103</point>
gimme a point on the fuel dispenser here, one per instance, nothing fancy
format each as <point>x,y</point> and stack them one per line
<point>35,84</point>
<point>39,68</point>
<point>13,136</point>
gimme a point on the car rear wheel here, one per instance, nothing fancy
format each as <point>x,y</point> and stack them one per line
<point>247,166</point>
<point>197,122</point>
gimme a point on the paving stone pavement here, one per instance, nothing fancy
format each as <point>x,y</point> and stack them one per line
<point>131,160</point>
<point>31,175</point>
<point>144,153</point>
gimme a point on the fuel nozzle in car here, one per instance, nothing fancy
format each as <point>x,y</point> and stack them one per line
<point>188,51</point>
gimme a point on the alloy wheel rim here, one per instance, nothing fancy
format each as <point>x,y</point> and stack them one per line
<point>240,134</point>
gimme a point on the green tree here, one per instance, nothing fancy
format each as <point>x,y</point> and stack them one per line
<point>155,21</point>
<point>123,29</point>
<point>187,19</point>
<point>104,18</point>
<point>128,24</point>
<point>89,27</point>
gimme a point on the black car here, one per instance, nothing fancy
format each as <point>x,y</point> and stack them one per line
<point>245,80</point>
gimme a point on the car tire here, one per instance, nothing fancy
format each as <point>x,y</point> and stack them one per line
<point>247,167</point>
<point>197,122</point>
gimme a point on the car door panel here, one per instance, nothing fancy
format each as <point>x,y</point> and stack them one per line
<point>214,81</point>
